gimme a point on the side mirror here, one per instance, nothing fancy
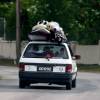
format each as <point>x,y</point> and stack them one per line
<point>76,57</point>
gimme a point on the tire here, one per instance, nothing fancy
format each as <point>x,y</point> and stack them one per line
<point>22,83</point>
<point>74,83</point>
<point>69,85</point>
<point>27,84</point>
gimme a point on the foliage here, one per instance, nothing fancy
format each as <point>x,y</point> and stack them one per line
<point>79,18</point>
<point>3,1</point>
<point>87,21</point>
<point>7,11</point>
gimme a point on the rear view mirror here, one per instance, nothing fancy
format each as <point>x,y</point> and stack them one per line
<point>76,57</point>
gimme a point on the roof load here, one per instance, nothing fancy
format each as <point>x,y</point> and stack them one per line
<point>47,31</point>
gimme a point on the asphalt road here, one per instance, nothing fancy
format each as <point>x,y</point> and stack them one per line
<point>88,88</point>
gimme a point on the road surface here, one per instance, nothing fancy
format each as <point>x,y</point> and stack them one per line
<point>88,88</point>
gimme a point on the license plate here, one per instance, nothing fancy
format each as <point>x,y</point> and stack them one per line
<point>58,69</point>
<point>45,69</point>
<point>30,68</point>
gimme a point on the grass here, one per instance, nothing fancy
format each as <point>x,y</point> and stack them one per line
<point>7,62</point>
<point>89,68</point>
<point>0,78</point>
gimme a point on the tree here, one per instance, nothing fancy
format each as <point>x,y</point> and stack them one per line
<point>5,1</point>
<point>79,18</point>
<point>84,26</point>
<point>11,22</point>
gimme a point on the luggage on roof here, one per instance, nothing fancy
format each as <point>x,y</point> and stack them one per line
<point>47,31</point>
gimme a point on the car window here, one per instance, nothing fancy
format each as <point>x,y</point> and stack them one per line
<point>44,50</point>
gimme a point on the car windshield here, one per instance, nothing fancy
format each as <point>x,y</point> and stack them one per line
<point>46,50</point>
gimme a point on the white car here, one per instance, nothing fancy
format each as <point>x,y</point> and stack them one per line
<point>47,62</point>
